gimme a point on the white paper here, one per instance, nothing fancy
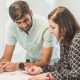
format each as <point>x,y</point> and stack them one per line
<point>17,75</point>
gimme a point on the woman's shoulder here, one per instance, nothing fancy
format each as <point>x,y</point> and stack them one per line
<point>77,35</point>
<point>76,38</point>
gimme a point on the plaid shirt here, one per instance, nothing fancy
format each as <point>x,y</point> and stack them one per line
<point>68,66</point>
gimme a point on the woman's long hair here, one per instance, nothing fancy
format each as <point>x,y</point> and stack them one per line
<point>66,22</point>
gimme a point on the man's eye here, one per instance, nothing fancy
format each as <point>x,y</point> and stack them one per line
<point>18,22</point>
<point>26,20</point>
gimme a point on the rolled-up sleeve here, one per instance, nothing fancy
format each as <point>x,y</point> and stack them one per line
<point>10,38</point>
<point>47,39</point>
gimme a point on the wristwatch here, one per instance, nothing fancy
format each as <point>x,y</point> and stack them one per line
<point>21,66</point>
<point>27,60</point>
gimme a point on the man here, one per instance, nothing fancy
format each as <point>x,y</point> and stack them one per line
<point>32,33</point>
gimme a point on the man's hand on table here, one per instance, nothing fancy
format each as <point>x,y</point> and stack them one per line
<point>7,66</point>
<point>10,67</point>
<point>1,68</point>
<point>2,62</point>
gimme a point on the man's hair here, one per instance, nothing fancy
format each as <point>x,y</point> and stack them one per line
<point>66,22</point>
<point>18,9</point>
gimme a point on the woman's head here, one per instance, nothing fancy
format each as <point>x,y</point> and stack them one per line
<point>63,24</point>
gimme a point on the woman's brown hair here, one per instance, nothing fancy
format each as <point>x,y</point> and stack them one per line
<point>66,22</point>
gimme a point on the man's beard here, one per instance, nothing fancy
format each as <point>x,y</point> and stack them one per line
<point>28,27</point>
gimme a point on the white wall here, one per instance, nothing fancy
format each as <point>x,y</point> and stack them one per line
<point>2,26</point>
<point>72,5</point>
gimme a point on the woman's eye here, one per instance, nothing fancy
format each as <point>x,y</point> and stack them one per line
<point>53,28</point>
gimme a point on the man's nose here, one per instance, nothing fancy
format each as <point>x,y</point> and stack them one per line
<point>23,24</point>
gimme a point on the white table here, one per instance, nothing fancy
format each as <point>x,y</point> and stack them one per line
<point>17,75</point>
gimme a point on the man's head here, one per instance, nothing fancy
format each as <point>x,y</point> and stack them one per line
<point>20,13</point>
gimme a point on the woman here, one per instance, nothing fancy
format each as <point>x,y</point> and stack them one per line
<point>64,26</point>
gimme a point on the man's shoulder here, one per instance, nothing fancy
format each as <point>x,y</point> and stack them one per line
<point>11,26</point>
<point>76,36</point>
<point>40,23</point>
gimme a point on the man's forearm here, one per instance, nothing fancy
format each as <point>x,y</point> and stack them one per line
<point>39,63</point>
<point>5,58</point>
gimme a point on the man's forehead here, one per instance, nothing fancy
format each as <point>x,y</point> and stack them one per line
<point>23,18</point>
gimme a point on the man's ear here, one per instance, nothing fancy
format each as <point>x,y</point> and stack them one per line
<point>30,13</point>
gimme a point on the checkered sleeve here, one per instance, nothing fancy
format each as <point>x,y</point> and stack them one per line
<point>74,55</point>
<point>54,71</point>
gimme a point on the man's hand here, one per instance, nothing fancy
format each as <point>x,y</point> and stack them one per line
<point>2,63</point>
<point>9,67</point>
<point>1,68</point>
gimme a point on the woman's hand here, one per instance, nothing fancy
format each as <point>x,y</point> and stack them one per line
<point>45,76</point>
<point>33,70</point>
